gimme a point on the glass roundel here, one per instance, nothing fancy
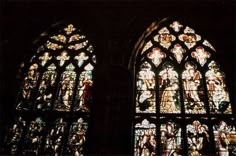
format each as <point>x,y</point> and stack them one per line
<point>53,104</point>
<point>182,105</point>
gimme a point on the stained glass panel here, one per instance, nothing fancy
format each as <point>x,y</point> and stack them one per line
<point>145,99</point>
<point>225,139</point>
<point>156,55</point>
<point>193,89</point>
<point>44,58</point>
<point>14,136</point>
<point>53,46</point>
<point>78,46</point>
<point>69,29</point>
<point>60,38</point>
<point>201,55</point>
<point>198,138</point>
<point>164,38</point>
<point>46,88</point>
<point>33,139</point>
<point>81,58</point>
<point>76,138</point>
<point>84,92</point>
<point>55,137</point>
<point>75,37</point>
<point>66,89</point>
<point>217,92</point>
<point>178,52</point>
<point>147,46</point>
<point>206,43</point>
<point>145,139</point>
<point>189,37</point>
<point>28,86</point>
<point>171,141</point>
<point>169,83</point>
<point>169,90</point>
<point>63,58</point>
<point>176,26</point>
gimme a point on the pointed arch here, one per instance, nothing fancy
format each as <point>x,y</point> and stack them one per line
<point>53,104</point>
<point>181,89</point>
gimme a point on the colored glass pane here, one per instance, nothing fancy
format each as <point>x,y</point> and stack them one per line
<point>169,90</point>
<point>178,52</point>
<point>28,86</point>
<point>34,137</point>
<point>201,55</point>
<point>217,91</point>
<point>198,138</point>
<point>76,138</point>
<point>46,88</point>
<point>145,138</point>
<point>55,138</point>
<point>145,99</point>
<point>225,138</point>
<point>14,136</point>
<point>65,93</point>
<point>156,56</point>
<point>171,140</point>
<point>84,91</point>
<point>193,89</point>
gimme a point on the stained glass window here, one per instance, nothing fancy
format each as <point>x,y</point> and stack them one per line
<point>56,89</point>
<point>179,88</point>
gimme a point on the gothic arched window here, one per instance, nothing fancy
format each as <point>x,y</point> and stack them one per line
<point>182,105</point>
<point>53,104</point>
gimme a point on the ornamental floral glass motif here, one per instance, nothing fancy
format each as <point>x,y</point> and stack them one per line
<point>179,86</point>
<point>56,89</point>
